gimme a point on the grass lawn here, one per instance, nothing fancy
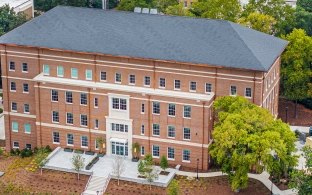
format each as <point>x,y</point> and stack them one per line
<point>211,186</point>
<point>22,176</point>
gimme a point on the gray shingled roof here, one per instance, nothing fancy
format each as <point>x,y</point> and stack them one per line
<point>172,38</point>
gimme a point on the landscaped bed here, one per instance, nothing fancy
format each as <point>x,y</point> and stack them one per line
<point>20,178</point>
<point>211,186</point>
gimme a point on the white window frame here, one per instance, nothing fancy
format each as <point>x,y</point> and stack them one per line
<point>12,129</point>
<point>57,71</point>
<point>13,90</point>
<point>171,110</point>
<point>142,108</point>
<point>104,72</point>
<point>23,67</point>
<point>25,128</point>
<point>89,71</point>
<point>206,84</point>
<point>130,79</point>
<point>12,70</point>
<point>71,73</point>
<point>53,96</point>
<point>250,92</point>
<point>25,105</point>
<point>168,127</point>
<point>120,104</point>
<point>187,117</point>
<point>13,145</point>
<point>158,129</point>
<point>231,90</point>
<point>81,141</point>
<point>67,118</point>
<point>68,139</point>
<point>85,100</point>
<point>25,84</point>
<point>168,153</point>
<point>81,120</point>
<point>53,116</point>
<point>116,76</point>
<point>153,151</point>
<point>158,108</point>
<point>43,70</point>
<point>96,124</point>
<point>12,107</point>
<point>96,101</point>
<point>184,134</point>
<point>142,151</point>
<point>174,84</point>
<point>161,80</point>
<point>142,129</point>
<point>72,97</point>
<point>186,161</point>
<point>59,137</point>
<point>145,79</point>
<point>191,84</point>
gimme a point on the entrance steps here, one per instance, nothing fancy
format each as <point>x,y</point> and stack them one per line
<point>96,185</point>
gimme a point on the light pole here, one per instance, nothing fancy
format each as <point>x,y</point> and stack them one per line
<point>197,169</point>
<point>286,114</point>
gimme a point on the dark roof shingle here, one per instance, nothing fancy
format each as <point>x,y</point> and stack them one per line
<point>171,38</point>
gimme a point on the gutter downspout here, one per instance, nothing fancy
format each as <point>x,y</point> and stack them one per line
<point>203,139</point>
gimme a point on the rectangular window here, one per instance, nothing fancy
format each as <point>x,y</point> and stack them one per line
<point>27,128</point>
<point>171,131</point>
<point>26,108</point>
<point>84,141</point>
<point>147,81</point>
<point>96,102</point>
<point>70,139</point>
<point>56,137</point>
<point>208,87</point>
<point>187,111</point>
<point>142,129</point>
<point>156,108</point>
<point>117,78</point>
<point>142,151</point>
<point>74,73</point>
<point>15,126</point>
<point>96,123</point>
<point>13,86</point>
<point>83,99</point>
<point>14,106</point>
<point>186,155</point>
<point>15,145</point>
<point>186,133</point>
<point>162,82</point>
<point>142,108</point>
<point>97,145</point>
<point>88,74</point>
<point>28,146</point>
<point>69,118</point>
<point>155,151</point>
<point>69,97</point>
<point>248,92</point>
<point>171,109</point>
<point>25,88</point>
<point>55,116</point>
<point>83,120</point>
<point>132,79</point>
<point>12,66</point>
<point>156,130</point>
<point>119,104</point>
<point>177,84</point>
<point>103,76</point>
<point>233,90</point>
<point>54,95</point>
<point>170,153</point>
<point>192,86</point>
<point>119,127</point>
<point>24,67</point>
<point>60,71</point>
<point>46,69</point>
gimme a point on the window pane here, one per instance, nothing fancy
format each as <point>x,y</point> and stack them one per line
<point>60,71</point>
<point>88,74</point>
<point>15,126</point>
<point>103,76</point>
<point>187,133</point>
<point>27,128</point>
<point>156,130</point>
<point>187,111</point>
<point>46,69</point>
<point>69,97</point>
<point>171,109</point>
<point>74,73</point>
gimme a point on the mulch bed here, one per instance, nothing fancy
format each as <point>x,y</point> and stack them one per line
<point>20,181</point>
<point>304,114</point>
<point>164,173</point>
<point>211,186</point>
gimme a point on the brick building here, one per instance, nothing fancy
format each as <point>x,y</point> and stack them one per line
<point>25,6</point>
<point>75,74</point>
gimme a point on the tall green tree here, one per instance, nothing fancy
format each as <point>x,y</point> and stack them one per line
<point>260,22</point>
<point>247,136</point>
<point>278,9</point>
<point>306,4</point>
<point>302,179</point>
<point>296,67</point>
<point>217,9</point>
<point>178,10</point>
<point>303,20</point>
<point>46,5</point>
<point>9,19</point>
<point>160,5</point>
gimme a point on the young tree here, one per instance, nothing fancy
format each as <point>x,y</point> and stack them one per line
<point>296,67</point>
<point>136,150</point>
<point>178,10</point>
<point>146,169</point>
<point>78,163</point>
<point>302,179</point>
<point>173,188</point>
<point>100,141</point>
<point>118,167</point>
<point>245,136</point>
<point>164,163</point>
<point>41,158</point>
<point>9,19</point>
<point>306,4</point>
<point>1,151</point>
<point>260,22</point>
<point>217,9</point>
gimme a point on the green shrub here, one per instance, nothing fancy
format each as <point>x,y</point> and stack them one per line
<point>48,149</point>
<point>306,102</point>
<point>26,153</point>
<point>1,110</point>
<point>173,188</point>
<point>12,152</point>
<point>164,162</point>
<point>17,152</point>
<point>1,151</point>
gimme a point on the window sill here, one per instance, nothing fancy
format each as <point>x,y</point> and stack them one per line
<point>54,101</point>
<point>55,122</point>
<point>186,161</point>
<point>71,145</point>
<point>248,97</point>
<point>26,112</point>
<point>171,159</point>
<point>192,91</point>
<point>69,103</point>
<point>155,156</point>
<point>187,140</point>
<point>69,124</point>
<point>84,147</point>
<point>177,89</point>
<point>11,70</point>
<point>13,110</point>
<point>12,90</point>
<point>187,117</point>
<point>14,131</point>
<point>24,71</point>
<point>26,92</point>
<point>28,133</point>
<point>57,143</point>
<point>60,76</point>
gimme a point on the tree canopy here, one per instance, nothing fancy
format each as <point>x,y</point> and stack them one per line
<point>260,22</point>
<point>178,10</point>
<point>296,66</point>
<point>161,5</point>
<point>306,4</point>
<point>9,19</point>
<point>247,136</point>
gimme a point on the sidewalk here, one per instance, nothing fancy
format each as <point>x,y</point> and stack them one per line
<point>2,132</point>
<point>263,178</point>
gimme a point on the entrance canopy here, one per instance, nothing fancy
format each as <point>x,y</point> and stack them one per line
<point>120,140</point>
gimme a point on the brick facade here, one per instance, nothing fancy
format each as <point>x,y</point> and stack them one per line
<point>264,92</point>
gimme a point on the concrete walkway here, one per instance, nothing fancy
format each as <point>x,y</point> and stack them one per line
<point>263,178</point>
<point>2,135</point>
<point>300,128</point>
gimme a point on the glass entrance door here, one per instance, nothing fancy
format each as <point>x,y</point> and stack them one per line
<point>120,148</point>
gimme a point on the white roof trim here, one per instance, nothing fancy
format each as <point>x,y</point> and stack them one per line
<point>125,88</point>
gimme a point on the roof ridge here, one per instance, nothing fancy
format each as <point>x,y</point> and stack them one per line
<point>231,23</point>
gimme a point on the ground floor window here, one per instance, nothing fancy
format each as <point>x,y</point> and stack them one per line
<point>15,145</point>
<point>171,153</point>
<point>56,137</point>
<point>70,139</point>
<point>28,146</point>
<point>120,148</point>
<point>84,141</point>
<point>142,151</point>
<point>186,155</point>
<point>155,151</point>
